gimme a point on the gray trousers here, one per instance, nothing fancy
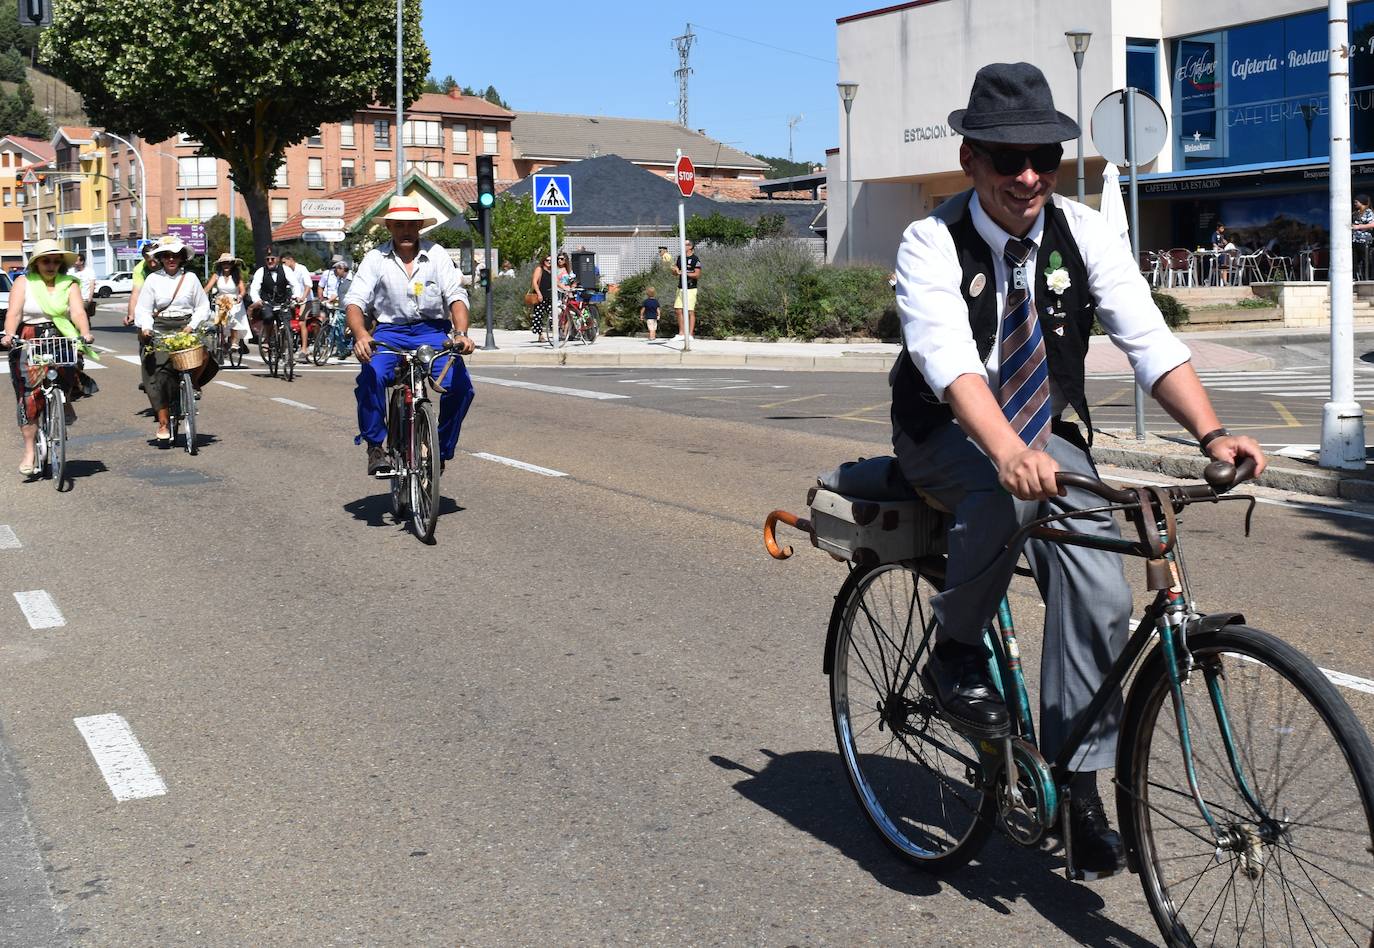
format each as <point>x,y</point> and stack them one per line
<point>1087,601</point>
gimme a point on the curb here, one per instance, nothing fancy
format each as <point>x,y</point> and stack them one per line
<point>1319,483</point>
<point>706,360</point>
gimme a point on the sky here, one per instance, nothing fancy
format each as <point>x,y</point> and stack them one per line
<point>755,64</point>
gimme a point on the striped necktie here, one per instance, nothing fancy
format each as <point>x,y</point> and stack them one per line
<point>1023,388</point>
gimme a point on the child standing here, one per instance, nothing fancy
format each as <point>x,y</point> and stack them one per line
<point>648,311</point>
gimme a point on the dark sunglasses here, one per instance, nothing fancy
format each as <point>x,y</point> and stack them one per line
<point>1012,161</point>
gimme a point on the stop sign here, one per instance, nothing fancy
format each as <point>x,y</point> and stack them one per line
<point>686,176</point>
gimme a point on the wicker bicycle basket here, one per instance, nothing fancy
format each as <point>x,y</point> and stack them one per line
<point>184,360</point>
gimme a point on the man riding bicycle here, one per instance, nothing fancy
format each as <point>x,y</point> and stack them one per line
<point>273,294</point>
<point>418,297</point>
<point>998,290</point>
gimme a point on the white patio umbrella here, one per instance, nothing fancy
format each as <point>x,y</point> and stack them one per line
<point>1113,208</point>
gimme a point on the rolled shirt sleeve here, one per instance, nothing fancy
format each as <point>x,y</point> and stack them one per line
<point>935,320</point>
<point>364,281</point>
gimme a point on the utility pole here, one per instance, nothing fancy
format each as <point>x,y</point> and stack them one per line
<point>683,44</point>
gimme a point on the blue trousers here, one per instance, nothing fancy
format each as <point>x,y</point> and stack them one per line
<point>376,375</point>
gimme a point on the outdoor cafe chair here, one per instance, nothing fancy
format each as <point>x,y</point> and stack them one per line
<point>1179,266</point>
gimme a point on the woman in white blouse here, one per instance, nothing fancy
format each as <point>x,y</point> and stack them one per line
<point>171,300</point>
<point>226,281</point>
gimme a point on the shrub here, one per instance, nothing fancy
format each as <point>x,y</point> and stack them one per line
<point>1175,313</point>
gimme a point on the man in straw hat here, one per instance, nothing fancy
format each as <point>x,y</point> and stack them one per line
<point>415,291</point>
<point>997,290</point>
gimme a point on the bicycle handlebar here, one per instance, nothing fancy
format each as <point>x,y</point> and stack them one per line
<point>1220,476</point>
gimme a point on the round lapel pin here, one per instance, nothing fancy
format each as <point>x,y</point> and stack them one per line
<point>975,286</point>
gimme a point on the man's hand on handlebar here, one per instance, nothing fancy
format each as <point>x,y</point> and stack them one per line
<point>1235,449</point>
<point>363,346</point>
<point>462,343</point>
<point>1029,475</point>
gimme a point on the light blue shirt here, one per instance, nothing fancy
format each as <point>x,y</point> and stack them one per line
<point>397,297</point>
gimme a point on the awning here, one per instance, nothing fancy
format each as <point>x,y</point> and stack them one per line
<point>1303,174</point>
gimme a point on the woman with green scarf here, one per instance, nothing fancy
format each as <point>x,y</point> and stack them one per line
<point>47,302</point>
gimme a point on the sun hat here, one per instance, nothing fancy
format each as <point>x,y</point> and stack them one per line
<point>401,208</point>
<point>45,248</point>
<point>1010,104</point>
<point>170,243</point>
<point>227,257</point>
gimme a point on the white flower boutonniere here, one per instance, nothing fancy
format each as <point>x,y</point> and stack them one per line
<point>1056,277</point>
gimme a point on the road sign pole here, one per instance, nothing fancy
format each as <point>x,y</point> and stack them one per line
<point>685,327</point>
<point>491,278</point>
<point>1135,236</point>
<point>553,276</point>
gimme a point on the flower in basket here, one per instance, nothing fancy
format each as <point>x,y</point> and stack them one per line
<point>178,341</point>
<point>1056,277</point>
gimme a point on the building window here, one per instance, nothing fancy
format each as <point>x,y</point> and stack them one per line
<point>460,171</point>
<point>9,197</point>
<point>199,209</point>
<point>383,170</point>
<point>280,181</point>
<point>131,179</point>
<point>381,133</point>
<point>1142,65</point>
<point>488,139</point>
<point>346,135</point>
<point>196,173</point>
<point>423,132</point>
<point>5,158</point>
<point>460,138</point>
<point>117,216</point>
<point>346,177</point>
<point>315,141</point>
<point>435,169</point>
<point>279,211</point>
<point>315,173</point>
<point>51,218</point>
<point>70,197</point>
<point>21,197</point>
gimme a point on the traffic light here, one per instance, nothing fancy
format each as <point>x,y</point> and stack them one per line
<point>484,278</point>
<point>486,182</point>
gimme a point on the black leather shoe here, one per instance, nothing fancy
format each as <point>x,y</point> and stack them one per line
<point>378,464</point>
<point>956,676</point>
<point>1097,848</point>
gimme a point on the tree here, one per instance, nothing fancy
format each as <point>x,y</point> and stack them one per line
<point>494,97</point>
<point>770,225</point>
<point>245,79</point>
<point>217,241</point>
<point>517,232</point>
<point>783,168</point>
<point>718,229</point>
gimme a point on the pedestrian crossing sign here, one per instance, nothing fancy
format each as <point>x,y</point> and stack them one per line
<point>552,193</point>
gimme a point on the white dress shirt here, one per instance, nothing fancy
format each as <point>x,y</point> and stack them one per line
<point>87,277</point>
<point>157,295</point>
<point>425,294</point>
<point>935,319</point>
<point>255,287</point>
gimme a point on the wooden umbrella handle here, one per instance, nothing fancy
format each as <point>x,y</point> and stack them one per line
<point>769,532</point>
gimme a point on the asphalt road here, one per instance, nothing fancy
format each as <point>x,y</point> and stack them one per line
<point>592,712</point>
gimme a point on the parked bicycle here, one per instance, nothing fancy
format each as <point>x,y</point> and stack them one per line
<point>332,340</point>
<point>41,360</point>
<point>578,317</point>
<point>1244,782</point>
<point>412,429</point>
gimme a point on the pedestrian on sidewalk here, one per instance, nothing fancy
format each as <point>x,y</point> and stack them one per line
<point>693,268</point>
<point>1362,234</point>
<point>85,275</point>
<point>648,311</point>
<point>541,285</point>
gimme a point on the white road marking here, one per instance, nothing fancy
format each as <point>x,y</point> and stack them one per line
<point>132,360</point>
<point>241,388</point>
<point>511,462</point>
<point>1340,679</point>
<point>122,760</point>
<point>295,404</point>
<point>692,384</point>
<point>40,609</point>
<point>8,541</point>
<point>89,367</point>
<point>551,389</point>
<point>1288,504</point>
<point>102,348</point>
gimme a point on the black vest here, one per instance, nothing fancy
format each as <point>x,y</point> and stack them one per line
<point>276,287</point>
<point>1065,321</point>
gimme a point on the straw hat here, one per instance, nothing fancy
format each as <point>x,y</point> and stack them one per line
<point>401,208</point>
<point>227,257</point>
<point>45,248</point>
<point>171,243</point>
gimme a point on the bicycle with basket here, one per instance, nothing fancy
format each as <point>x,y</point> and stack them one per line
<point>186,352</point>
<point>43,356</point>
<point>1244,783</point>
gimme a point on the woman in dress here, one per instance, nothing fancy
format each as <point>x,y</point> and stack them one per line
<point>226,280</point>
<point>172,300</point>
<point>541,284</point>
<point>46,303</point>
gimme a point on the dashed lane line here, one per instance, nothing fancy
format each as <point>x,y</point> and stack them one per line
<point>120,757</point>
<point>8,541</point>
<point>295,404</point>
<point>39,609</point>
<point>241,388</point>
<point>89,367</point>
<point>132,360</point>
<point>550,389</point>
<point>511,462</point>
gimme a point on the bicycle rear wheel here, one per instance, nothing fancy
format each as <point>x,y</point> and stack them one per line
<point>188,411</point>
<point>287,343</point>
<point>320,348</point>
<point>268,349</point>
<point>593,324</point>
<point>56,410</point>
<point>1295,810</point>
<point>424,480</point>
<point>398,435</point>
<point>920,783</point>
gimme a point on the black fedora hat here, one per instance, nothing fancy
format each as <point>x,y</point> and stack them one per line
<point>1010,104</point>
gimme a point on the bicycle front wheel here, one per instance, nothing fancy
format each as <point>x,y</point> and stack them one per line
<point>1287,773</point>
<point>593,323</point>
<point>320,346</point>
<point>397,436</point>
<point>188,411</point>
<point>920,783</point>
<point>287,343</point>
<point>269,350</point>
<point>424,480</point>
<point>57,436</point>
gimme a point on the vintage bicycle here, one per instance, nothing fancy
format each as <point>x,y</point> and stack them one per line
<point>412,431</point>
<point>217,338</point>
<point>43,356</point>
<point>332,339</point>
<point>278,346</point>
<point>578,317</point>
<point>1244,783</point>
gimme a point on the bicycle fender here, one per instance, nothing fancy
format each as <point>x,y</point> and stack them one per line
<point>837,617</point>
<point>1213,621</point>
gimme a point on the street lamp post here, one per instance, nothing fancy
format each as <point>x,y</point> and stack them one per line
<point>1078,45</point>
<point>848,90</point>
<point>142,183</point>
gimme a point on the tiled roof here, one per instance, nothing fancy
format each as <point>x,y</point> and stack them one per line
<point>444,104</point>
<point>360,200</point>
<point>547,135</point>
<point>464,190</point>
<point>76,134</point>
<point>34,146</point>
